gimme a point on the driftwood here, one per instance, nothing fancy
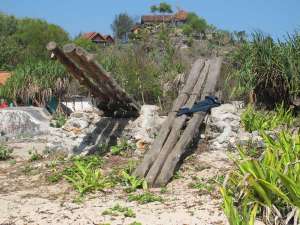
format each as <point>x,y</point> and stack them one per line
<point>177,134</point>
<point>113,100</point>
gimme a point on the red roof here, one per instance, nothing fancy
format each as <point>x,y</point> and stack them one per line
<point>92,35</point>
<point>4,77</point>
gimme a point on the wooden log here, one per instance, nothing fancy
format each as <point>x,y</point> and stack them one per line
<point>97,68</point>
<point>74,70</point>
<point>70,51</point>
<point>192,130</point>
<point>176,131</point>
<point>151,155</point>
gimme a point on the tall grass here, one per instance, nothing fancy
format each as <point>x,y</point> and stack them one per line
<point>35,82</point>
<point>271,69</point>
<point>271,183</point>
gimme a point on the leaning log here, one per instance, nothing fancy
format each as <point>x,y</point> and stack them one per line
<point>152,154</point>
<point>176,131</point>
<point>75,71</point>
<point>191,132</point>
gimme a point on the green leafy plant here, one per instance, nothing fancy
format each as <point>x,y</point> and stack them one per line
<point>132,183</point>
<point>254,120</point>
<point>122,146</point>
<point>5,152</point>
<point>34,155</point>
<point>58,120</point>
<point>87,179</point>
<point>118,209</point>
<point>135,223</point>
<point>202,186</point>
<point>271,181</point>
<point>145,198</point>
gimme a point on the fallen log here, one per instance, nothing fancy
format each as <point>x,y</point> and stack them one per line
<point>151,155</point>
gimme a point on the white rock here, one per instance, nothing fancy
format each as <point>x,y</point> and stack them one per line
<point>147,125</point>
<point>18,121</point>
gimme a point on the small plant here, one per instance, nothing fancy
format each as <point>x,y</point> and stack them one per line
<point>58,120</point>
<point>135,223</point>
<point>257,120</point>
<point>202,186</point>
<point>144,198</point>
<point>122,146</point>
<point>163,190</point>
<point>34,155</point>
<point>132,183</point>
<point>118,209</point>
<point>5,152</point>
<point>86,179</point>
<point>177,175</point>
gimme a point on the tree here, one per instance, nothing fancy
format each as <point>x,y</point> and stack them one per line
<point>121,25</point>
<point>163,7</point>
<point>195,24</point>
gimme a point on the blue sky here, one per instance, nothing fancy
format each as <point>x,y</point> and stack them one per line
<point>275,17</point>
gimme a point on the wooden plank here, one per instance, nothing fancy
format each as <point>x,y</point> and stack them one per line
<point>176,131</point>
<point>74,70</point>
<point>192,130</point>
<point>151,155</point>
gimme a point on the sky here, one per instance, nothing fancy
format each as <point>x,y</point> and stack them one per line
<point>274,17</point>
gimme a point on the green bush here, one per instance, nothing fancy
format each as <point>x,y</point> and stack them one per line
<point>5,152</point>
<point>268,186</point>
<point>254,120</point>
<point>35,82</point>
<point>271,69</point>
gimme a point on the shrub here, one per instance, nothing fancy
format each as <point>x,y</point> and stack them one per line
<point>255,120</point>
<point>5,152</point>
<point>269,68</point>
<point>268,186</point>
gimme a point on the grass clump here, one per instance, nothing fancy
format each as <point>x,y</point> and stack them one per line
<point>145,198</point>
<point>122,147</point>
<point>267,187</point>
<point>58,120</point>
<point>254,120</point>
<point>85,178</point>
<point>34,155</point>
<point>132,183</point>
<point>5,152</point>
<point>269,68</point>
<point>118,209</point>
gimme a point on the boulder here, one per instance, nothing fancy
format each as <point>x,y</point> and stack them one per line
<point>146,126</point>
<point>24,121</point>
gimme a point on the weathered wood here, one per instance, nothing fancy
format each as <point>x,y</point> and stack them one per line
<point>192,130</point>
<point>70,51</point>
<point>97,68</point>
<point>175,133</point>
<point>74,70</point>
<point>151,155</point>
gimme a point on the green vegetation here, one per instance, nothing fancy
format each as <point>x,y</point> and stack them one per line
<point>254,120</point>
<point>5,152</point>
<point>34,155</point>
<point>270,69</point>
<point>135,223</point>
<point>122,25</point>
<point>122,147</point>
<point>202,186</point>
<point>85,178</point>
<point>194,25</point>
<point>145,198</point>
<point>163,7</point>
<point>117,209</point>
<point>132,183</point>
<point>35,83</point>
<point>268,186</point>
<point>58,120</point>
